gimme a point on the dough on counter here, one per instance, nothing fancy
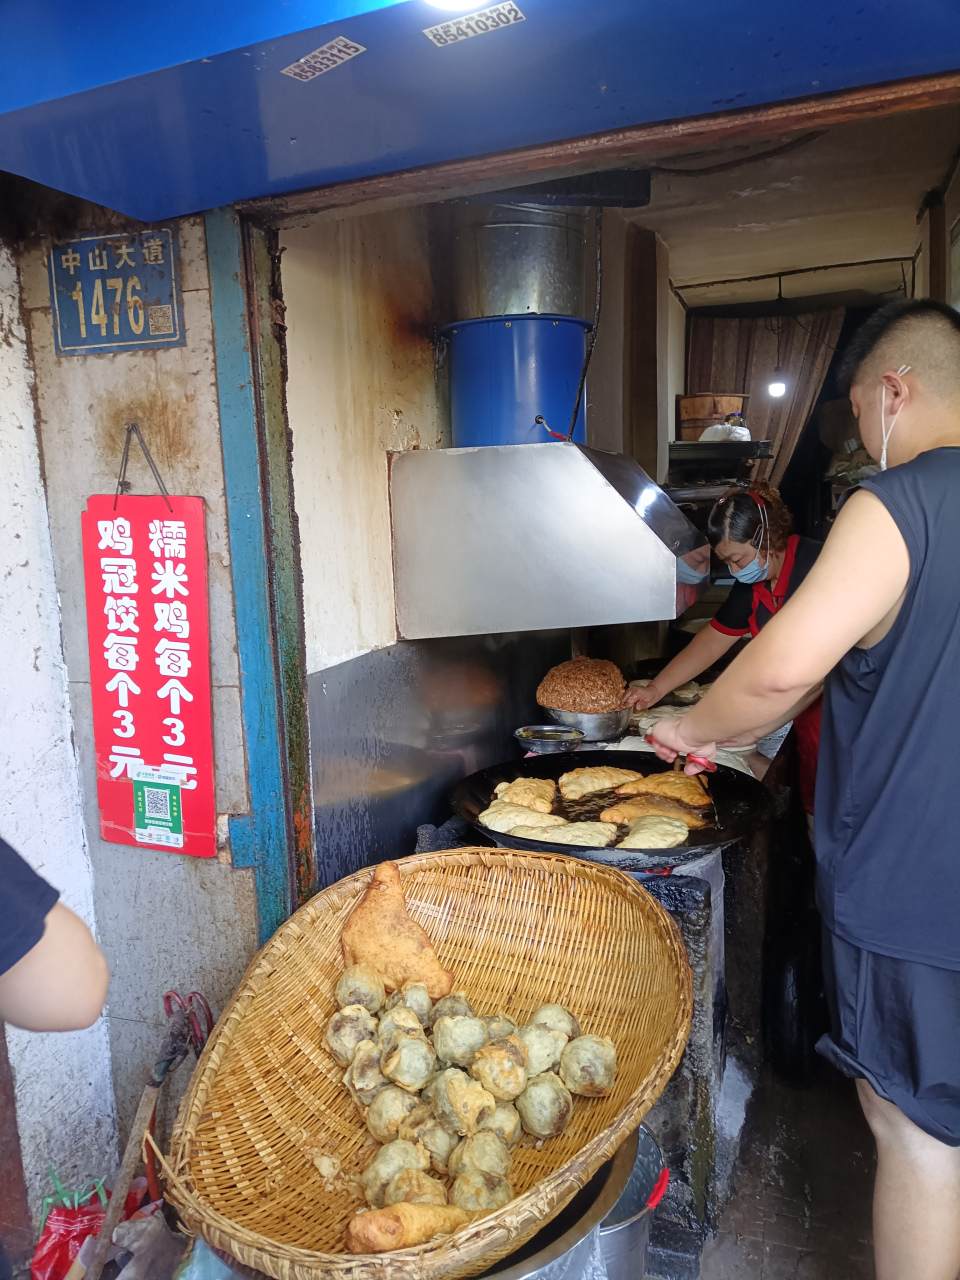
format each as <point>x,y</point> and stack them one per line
<point>545,1106</point>
<point>413,1186</point>
<point>531,793</point>
<point>602,777</point>
<point>483,1153</point>
<point>655,832</point>
<point>346,1029</point>
<point>415,996</point>
<point>361,984</point>
<point>387,1110</point>
<point>363,1078</point>
<point>480,1192</point>
<point>592,835</point>
<point>588,1066</point>
<point>685,788</point>
<point>502,816</point>
<point>505,1123</point>
<point>544,1046</point>
<point>653,806</point>
<point>386,1164</point>
<point>501,1067</point>
<point>458,1040</point>
<point>557,1018</point>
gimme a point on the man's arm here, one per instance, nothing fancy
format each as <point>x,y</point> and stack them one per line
<point>61,983</point>
<point>854,588</point>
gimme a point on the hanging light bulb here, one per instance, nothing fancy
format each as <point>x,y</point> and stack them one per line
<point>777,387</point>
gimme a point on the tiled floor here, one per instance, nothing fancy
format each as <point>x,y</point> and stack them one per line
<point>803,1185</point>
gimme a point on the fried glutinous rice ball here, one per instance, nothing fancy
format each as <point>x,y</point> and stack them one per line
<point>545,1106</point>
<point>501,1067</point>
<point>556,1018</point>
<point>543,1046</point>
<point>459,1103</point>
<point>480,1191</point>
<point>588,1066</point>
<point>505,1123</point>
<point>347,1029</point>
<point>423,1126</point>
<point>389,1107</point>
<point>411,1186</point>
<point>458,1040</point>
<point>415,996</point>
<point>361,984</point>
<point>483,1153</point>
<point>363,1077</point>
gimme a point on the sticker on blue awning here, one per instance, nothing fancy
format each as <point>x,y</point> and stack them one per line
<point>480,23</point>
<point>323,59</point>
<point>116,293</point>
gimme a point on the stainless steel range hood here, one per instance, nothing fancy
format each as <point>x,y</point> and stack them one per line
<point>531,536</point>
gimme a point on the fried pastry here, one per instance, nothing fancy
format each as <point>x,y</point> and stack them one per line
<point>602,777</point>
<point>403,1225</point>
<point>595,835</point>
<point>502,816</point>
<point>683,787</point>
<point>381,932</point>
<point>655,832</point>
<point>653,806</point>
<point>533,793</point>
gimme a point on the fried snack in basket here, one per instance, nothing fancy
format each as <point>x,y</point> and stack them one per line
<point>602,777</point>
<point>381,932</point>
<point>653,806</point>
<point>672,786</point>
<point>403,1225</point>
<point>533,793</point>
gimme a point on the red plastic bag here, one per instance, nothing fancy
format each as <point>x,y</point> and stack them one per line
<point>63,1233</point>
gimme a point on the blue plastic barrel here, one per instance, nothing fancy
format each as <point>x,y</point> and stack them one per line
<point>505,371</point>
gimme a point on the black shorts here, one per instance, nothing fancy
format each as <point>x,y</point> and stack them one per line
<point>896,1024</point>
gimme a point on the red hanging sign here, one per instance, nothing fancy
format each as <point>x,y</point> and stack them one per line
<point>145,571</point>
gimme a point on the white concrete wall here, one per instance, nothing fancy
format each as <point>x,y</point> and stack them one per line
<point>359,303</point>
<point>165,920</point>
<point>64,1095</point>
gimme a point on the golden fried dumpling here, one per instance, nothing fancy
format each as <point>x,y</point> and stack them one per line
<point>386,1164</point>
<point>602,777</point>
<point>588,1066</point>
<point>483,1153</point>
<point>458,1040</point>
<point>686,788</point>
<point>455,1005</point>
<point>655,832</point>
<point>498,1024</point>
<point>346,1029</point>
<point>363,1077</point>
<point>595,835</point>
<point>532,793</point>
<point>423,1126</point>
<point>544,1047</point>
<point>501,1067</point>
<point>459,1103</point>
<point>501,816</point>
<point>408,1061</point>
<point>415,996</point>
<point>361,984</point>
<point>412,1186</point>
<point>480,1192</point>
<point>387,1110</point>
<point>401,1018</point>
<point>653,806</point>
<point>505,1123</point>
<point>557,1018</point>
<point>545,1106</point>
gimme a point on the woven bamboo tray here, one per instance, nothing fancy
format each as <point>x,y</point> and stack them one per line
<point>518,930</point>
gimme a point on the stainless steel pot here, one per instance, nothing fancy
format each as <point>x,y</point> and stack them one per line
<point>625,1232</point>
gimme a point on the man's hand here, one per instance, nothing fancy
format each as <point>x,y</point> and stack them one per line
<point>641,696</point>
<point>668,740</point>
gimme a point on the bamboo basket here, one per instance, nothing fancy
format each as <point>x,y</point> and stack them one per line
<point>518,930</point>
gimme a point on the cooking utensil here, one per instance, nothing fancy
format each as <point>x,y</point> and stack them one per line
<point>600,728</point>
<point>546,739</point>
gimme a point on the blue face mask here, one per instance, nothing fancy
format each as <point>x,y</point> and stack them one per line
<point>690,576</point>
<point>753,572</point>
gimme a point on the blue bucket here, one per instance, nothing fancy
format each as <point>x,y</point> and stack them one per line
<point>505,371</point>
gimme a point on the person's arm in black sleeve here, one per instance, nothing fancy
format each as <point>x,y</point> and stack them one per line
<point>53,976</point>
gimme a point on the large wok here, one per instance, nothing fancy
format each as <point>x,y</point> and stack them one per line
<point>740,802</point>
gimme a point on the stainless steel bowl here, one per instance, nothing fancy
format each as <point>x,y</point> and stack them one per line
<point>546,739</point>
<point>601,728</point>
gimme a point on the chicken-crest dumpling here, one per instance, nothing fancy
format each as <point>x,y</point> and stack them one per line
<point>480,1192</point>
<point>423,1126</point>
<point>588,1066</point>
<point>458,1040</point>
<point>348,1028</point>
<point>361,984</point>
<point>400,1018</point>
<point>501,1067</point>
<point>545,1106</point>
<point>408,1061</point>
<point>363,1077</point>
<point>483,1153</point>
<point>459,1103</point>
<point>544,1047</point>
<point>415,996</point>
<point>411,1186</point>
<point>498,1024</point>
<point>505,1123</point>
<point>455,1005</point>
<point>386,1164</point>
<point>389,1107</point>
<point>557,1018</point>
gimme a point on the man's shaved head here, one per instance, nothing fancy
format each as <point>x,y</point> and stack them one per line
<point>915,331</point>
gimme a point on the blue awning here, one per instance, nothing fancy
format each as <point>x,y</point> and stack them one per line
<point>173,108</point>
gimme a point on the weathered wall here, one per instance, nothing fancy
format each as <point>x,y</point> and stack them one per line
<point>360,304</point>
<point>65,1110</point>
<point>165,920</point>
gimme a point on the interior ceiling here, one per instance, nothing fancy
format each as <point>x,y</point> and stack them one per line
<point>846,195</point>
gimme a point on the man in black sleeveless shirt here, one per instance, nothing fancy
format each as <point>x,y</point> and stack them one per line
<point>878,617</point>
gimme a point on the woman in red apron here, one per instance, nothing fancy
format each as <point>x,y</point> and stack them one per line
<point>751,530</point>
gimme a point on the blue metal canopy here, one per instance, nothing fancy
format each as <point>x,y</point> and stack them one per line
<point>169,109</point>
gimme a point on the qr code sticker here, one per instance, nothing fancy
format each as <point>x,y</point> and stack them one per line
<point>160,319</point>
<point>157,803</point>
